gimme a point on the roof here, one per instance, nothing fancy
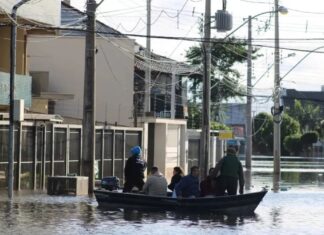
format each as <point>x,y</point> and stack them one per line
<point>72,17</point>
<point>315,96</point>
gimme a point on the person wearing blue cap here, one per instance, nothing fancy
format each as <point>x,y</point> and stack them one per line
<point>134,170</point>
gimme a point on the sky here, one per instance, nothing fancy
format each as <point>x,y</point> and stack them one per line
<point>301,29</point>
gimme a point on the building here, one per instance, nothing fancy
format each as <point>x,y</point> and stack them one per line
<point>58,64</point>
<point>38,13</point>
<point>315,98</point>
<point>234,116</point>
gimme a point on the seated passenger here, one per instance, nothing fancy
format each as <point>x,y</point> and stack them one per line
<point>189,184</point>
<point>206,186</point>
<point>156,184</point>
<point>177,175</point>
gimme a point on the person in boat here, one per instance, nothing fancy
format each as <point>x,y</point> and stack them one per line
<point>177,175</point>
<point>206,186</point>
<point>228,173</point>
<point>134,170</point>
<point>156,184</point>
<point>188,186</point>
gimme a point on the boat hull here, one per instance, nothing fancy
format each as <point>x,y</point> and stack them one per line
<point>238,204</point>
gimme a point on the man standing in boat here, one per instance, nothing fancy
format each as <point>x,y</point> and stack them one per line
<point>228,172</point>
<point>188,186</point>
<point>134,170</point>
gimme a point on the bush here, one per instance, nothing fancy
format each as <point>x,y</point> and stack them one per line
<point>308,139</point>
<point>292,144</point>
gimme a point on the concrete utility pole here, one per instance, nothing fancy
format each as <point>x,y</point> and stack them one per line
<point>248,158</point>
<point>147,95</point>
<point>276,98</point>
<point>89,102</point>
<point>205,134</point>
<point>13,45</point>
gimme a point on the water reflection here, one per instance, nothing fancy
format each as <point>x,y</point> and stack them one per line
<point>145,216</point>
<point>276,182</point>
<point>297,207</point>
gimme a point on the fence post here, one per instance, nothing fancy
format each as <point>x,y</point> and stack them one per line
<point>18,173</point>
<point>53,146</point>
<point>67,150</point>
<point>35,156</point>
<point>102,151</point>
<point>44,156</point>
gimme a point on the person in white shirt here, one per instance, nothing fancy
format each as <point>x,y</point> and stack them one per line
<point>156,184</point>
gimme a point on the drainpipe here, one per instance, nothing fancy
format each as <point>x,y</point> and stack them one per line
<point>13,45</point>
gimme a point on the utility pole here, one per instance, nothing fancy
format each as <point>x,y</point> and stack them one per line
<point>205,134</point>
<point>13,48</point>
<point>276,98</point>
<point>89,105</point>
<point>248,157</point>
<point>147,95</point>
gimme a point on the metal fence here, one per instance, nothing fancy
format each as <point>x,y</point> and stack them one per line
<point>43,150</point>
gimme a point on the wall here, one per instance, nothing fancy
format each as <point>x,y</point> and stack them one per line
<point>63,58</point>
<point>5,51</point>
<point>170,145</point>
<point>39,105</point>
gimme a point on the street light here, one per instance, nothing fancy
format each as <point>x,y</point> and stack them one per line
<point>282,10</point>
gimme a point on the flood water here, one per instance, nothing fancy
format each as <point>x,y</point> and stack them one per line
<point>296,207</point>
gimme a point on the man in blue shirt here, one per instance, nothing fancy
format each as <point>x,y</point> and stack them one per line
<point>189,184</point>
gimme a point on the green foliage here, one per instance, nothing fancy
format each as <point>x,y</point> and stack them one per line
<point>263,133</point>
<point>289,126</point>
<point>307,114</point>
<point>218,126</point>
<point>194,119</point>
<point>292,144</point>
<point>320,129</point>
<point>308,139</point>
<point>224,78</point>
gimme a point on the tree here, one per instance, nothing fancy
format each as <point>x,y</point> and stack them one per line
<point>292,144</point>
<point>289,126</point>
<point>219,126</point>
<point>308,139</point>
<point>307,114</point>
<point>224,78</point>
<point>194,118</point>
<point>263,133</point>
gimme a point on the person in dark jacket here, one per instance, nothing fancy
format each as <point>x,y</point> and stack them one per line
<point>206,186</point>
<point>134,170</point>
<point>228,172</point>
<point>189,184</point>
<point>177,175</point>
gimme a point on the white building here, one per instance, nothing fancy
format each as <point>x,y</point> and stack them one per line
<point>60,60</point>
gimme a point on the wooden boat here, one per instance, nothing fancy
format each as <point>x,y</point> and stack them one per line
<point>238,204</point>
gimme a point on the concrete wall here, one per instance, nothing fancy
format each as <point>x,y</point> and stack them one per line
<point>42,11</point>
<point>5,51</point>
<point>39,105</point>
<point>64,59</point>
<point>170,145</point>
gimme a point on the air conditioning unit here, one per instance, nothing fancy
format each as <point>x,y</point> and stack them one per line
<point>224,21</point>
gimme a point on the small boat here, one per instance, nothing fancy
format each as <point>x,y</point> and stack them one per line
<point>238,204</point>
